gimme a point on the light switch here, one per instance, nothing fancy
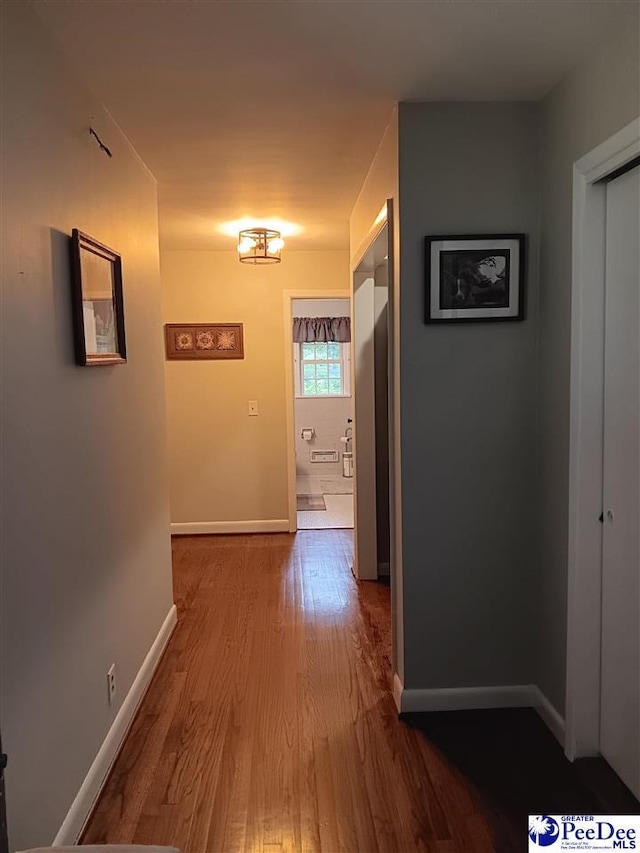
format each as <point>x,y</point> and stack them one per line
<point>253,408</point>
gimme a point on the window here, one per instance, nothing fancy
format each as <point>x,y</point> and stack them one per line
<point>322,370</point>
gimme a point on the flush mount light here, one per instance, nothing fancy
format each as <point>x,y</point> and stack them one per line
<point>259,246</point>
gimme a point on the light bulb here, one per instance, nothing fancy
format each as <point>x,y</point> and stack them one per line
<point>245,245</point>
<point>276,245</point>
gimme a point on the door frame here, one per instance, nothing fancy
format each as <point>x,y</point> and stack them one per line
<point>586,434</point>
<point>366,566</point>
<point>287,298</point>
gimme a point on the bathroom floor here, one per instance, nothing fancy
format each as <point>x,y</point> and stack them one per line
<point>323,484</point>
<point>338,512</point>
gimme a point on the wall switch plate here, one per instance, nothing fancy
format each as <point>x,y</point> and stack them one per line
<point>253,408</point>
<point>111,683</point>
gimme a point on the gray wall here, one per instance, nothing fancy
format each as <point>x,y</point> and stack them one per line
<point>86,552</point>
<point>468,405</point>
<point>596,100</point>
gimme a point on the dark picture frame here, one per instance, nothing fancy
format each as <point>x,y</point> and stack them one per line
<point>98,303</point>
<point>474,278</point>
<point>204,341</point>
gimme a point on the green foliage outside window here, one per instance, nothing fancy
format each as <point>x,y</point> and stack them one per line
<point>322,369</point>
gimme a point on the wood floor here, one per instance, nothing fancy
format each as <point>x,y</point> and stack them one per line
<point>270,725</point>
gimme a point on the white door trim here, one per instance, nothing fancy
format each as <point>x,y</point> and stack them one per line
<point>365,552</point>
<point>365,558</point>
<point>287,297</point>
<point>586,438</point>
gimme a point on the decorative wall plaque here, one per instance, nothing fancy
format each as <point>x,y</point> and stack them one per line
<point>204,340</point>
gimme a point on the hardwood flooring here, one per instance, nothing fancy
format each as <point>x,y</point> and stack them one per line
<point>270,727</point>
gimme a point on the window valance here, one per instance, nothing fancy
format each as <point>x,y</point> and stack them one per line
<point>307,330</point>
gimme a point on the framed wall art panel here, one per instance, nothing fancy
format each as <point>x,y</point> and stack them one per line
<point>197,341</point>
<point>474,278</point>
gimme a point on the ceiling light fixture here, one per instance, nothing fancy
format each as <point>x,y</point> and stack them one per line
<point>259,246</point>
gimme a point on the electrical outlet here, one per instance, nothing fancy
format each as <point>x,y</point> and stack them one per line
<point>111,683</point>
<point>253,408</point>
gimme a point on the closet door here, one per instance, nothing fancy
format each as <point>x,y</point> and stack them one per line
<point>620,682</point>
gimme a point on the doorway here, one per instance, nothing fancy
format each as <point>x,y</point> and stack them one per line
<point>323,413</point>
<point>372,432</point>
<point>603,656</point>
<point>311,473</point>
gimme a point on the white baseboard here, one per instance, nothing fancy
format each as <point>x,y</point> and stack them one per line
<point>477,698</point>
<point>77,816</point>
<point>553,719</point>
<point>397,691</point>
<point>265,525</point>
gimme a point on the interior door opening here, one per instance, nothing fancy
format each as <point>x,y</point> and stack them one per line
<point>323,413</point>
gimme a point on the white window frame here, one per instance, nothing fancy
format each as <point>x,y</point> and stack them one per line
<point>345,349</point>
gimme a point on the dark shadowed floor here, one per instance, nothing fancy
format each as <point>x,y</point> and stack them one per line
<point>519,768</point>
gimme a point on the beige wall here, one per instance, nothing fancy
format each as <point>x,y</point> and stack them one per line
<point>224,465</point>
<point>86,571</point>
<point>380,184</point>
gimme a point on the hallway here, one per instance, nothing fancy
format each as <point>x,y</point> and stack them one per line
<point>269,725</point>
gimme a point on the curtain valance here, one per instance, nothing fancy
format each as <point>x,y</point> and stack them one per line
<point>306,330</point>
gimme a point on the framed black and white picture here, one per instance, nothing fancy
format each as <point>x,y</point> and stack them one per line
<point>474,278</point>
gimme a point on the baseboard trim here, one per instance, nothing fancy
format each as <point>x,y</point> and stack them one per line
<point>81,808</point>
<point>478,698</point>
<point>397,691</point>
<point>467,698</point>
<point>552,717</point>
<point>265,525</point>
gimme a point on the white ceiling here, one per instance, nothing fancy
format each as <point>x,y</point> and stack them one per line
<point>275,108</point>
